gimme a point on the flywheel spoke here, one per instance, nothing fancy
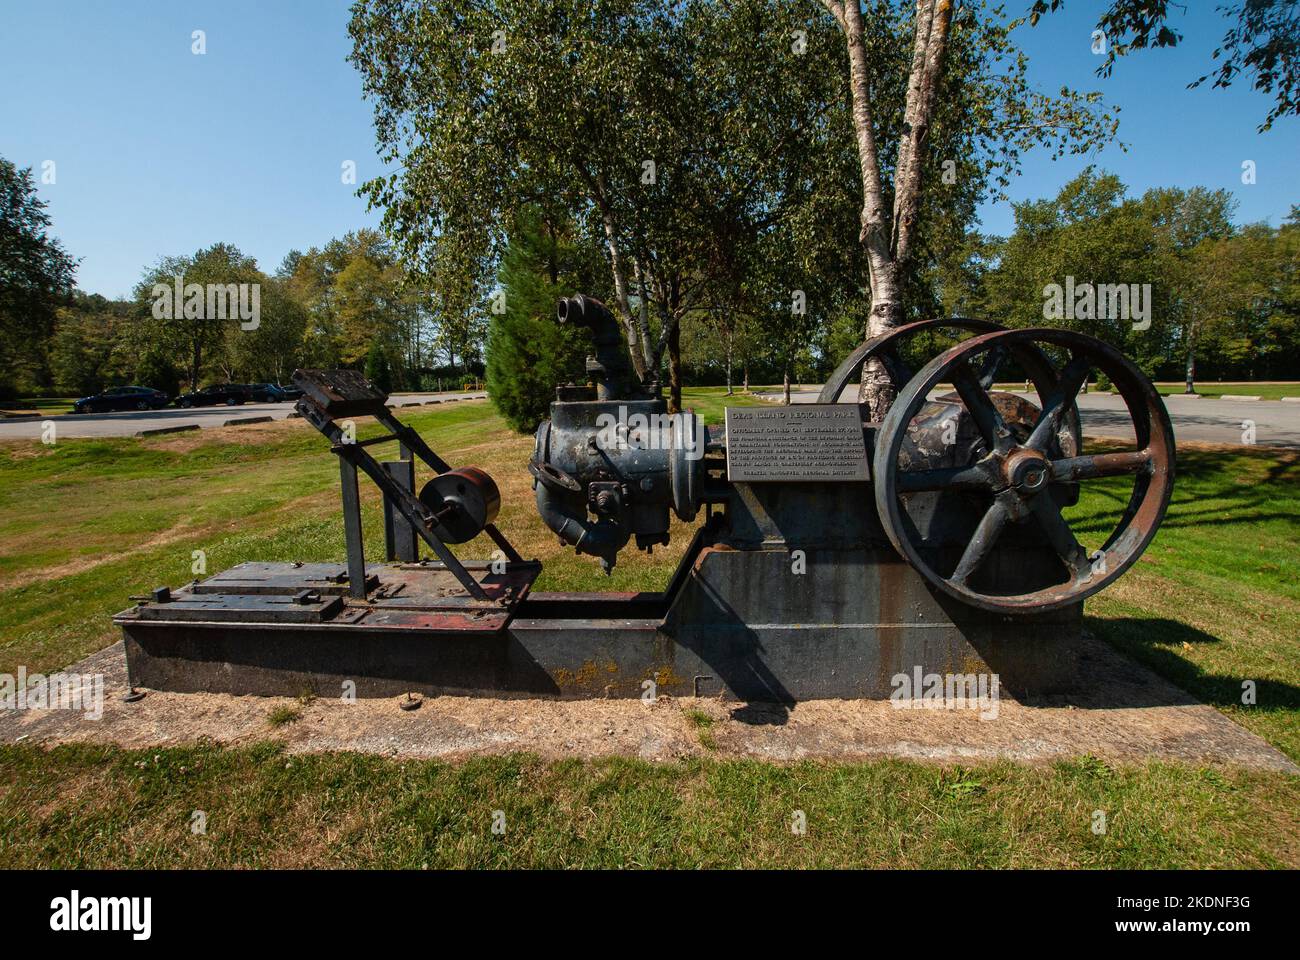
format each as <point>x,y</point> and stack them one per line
<point>944,478</point>
<point>980,406</point>
<point>981,543</point>
<point>989,368</point>
<point>1101,465</point>
<point>1061,537</point>
<point>1058,401</point>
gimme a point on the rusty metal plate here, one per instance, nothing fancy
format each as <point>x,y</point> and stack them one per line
<point>421,597</point>
<point>809,442</point>
<point>240,608</point>
<point>281,578</point>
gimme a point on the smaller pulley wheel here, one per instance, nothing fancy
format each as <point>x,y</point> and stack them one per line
<point>1013,481</point>
<point>462,501</point>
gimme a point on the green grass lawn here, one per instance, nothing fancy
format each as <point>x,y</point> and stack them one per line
<point>1265,391</point>
<point>86,523</point>
<point>93,807</point>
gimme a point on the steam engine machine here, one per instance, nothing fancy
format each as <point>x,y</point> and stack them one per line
<point>830,552</point>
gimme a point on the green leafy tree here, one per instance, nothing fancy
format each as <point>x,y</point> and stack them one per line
<point>378,370</point>
<point>1248,324</point>
<point>36,276</point>
<point>274,348</point>
<point>1213,289</point>
<point>355,290</point>
<point>193,331</point>
<point>96,343</point>
<point>82,348</point>
<point>156,369</point>
<point>691,140</point>
<point>529,353</point>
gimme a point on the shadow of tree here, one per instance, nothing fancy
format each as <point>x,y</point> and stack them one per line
<point>1204,479</point>
<point>1154,643</point>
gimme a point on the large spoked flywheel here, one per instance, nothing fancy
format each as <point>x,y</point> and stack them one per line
<point>1011,548</point>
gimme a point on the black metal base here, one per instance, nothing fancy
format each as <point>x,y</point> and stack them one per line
<point>738,623</point>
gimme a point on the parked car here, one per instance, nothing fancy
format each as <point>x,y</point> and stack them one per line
<point>122,398</point>
<point>231,394</point>
<point>272,392</point>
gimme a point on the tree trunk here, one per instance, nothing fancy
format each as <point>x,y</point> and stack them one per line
<point>786,380</point>
<point>887,239</point>
<point>729,339</point>
<point>746,388</point>
<point>675,369</point>
<point>1190,386</point>
<point>622,307</point>
<point>643,321</point>
<point>875,391</point>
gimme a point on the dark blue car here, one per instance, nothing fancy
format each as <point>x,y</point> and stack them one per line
<point>122,398</point>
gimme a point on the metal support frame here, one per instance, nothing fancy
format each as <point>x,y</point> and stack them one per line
<point>399,536</point>
<point>322,400</point>
<point>415,443</point>
<point>352,529</point>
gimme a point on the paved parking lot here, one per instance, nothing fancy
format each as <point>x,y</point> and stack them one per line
<point>1218,421</point>
<point>129,423</point>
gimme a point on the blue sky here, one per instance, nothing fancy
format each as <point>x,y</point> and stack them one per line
<point>158,151</point>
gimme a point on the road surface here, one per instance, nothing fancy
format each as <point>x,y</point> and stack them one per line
<point>1276,423</point>
<point>129,423</point>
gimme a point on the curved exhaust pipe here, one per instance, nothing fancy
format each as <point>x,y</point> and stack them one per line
<point>566,516</point>
<point>615,377</point>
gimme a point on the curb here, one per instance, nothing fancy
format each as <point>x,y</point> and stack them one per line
<point>1290,399</point>
<point>34,417</point>
<point>1184,396</point>
<point>237,421</point>
<point>1236,396</point>
<point>157,430</point>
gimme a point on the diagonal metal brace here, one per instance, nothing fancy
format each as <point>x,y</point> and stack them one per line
<point>403,500</point>
<point>415,512</point>
<point>415,443</point>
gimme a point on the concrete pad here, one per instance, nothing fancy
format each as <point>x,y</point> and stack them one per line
<point>1126,714</point>
<point>1182,396</point>
<point>1236,396</point>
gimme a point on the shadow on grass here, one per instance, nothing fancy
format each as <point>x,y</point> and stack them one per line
<point>1154,643</point>
<point>1204,485</point>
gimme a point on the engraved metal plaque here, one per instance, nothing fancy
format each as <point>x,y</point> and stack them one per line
<point>802,442</point>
